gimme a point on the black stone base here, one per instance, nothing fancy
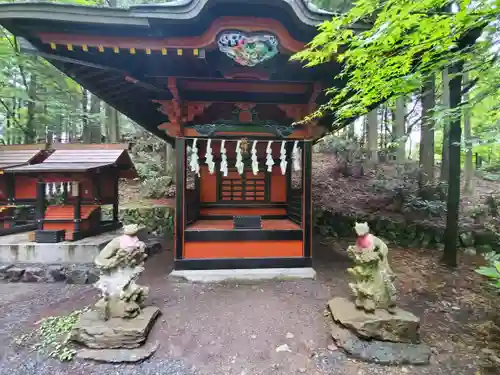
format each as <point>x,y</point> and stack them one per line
<point>381,352</point>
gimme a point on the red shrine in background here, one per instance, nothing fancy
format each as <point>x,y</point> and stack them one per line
<point>214,78</point>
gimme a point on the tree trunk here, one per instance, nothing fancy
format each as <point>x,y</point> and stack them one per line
<point>170,162</point>
<point>30,130</point>
<point>427,131</point>
<point>85,137</point>
<point>387,133</point>
<point>453,202</point>
<point>372,135</point>
<point>469,166</point>
<point>112,126</point>
<point>445,103</point>
<point>95,127</point>
<point>72,127</point>
<point>350,131</point>
<point>398,131</point>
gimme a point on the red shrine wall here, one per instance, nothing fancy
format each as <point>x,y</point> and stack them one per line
<point>243,249</point>
<point>26,185</point>
<point>208,182</point>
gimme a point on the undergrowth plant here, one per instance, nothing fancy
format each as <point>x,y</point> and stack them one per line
<point>492,270</point>
<point>148,154</point>
<point>52,336</point>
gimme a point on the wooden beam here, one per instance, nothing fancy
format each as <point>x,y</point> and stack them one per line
<point>40,204</point>
<point>249,86</point>
<point>208,38</point>
<point>51,56</point>
<point>312,100</point>
<point>307,221</point>
<point>294,111</point>
<point>180,150</point>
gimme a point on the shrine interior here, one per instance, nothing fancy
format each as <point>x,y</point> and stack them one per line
<point>270,187</point>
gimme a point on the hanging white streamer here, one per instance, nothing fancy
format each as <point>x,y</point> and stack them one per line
<point>195,166</point>
<point>223,163</point>
<point>269,157</point>
<point>209,158</point>
<point>296,156</point>
<point>284,162</point>
<point>239,158</point>
<point>255,161</point>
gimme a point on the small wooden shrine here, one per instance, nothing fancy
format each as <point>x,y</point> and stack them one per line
<point>214,78</point>
<point>15,206</point>
<point>71,185</point>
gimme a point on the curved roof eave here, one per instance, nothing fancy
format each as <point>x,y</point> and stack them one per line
<point>140,15</point>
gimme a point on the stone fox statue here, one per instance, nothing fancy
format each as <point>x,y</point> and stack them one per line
<point>373,285</point>
<point>120,264</point>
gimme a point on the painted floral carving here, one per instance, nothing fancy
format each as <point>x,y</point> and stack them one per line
<point>248,50</point>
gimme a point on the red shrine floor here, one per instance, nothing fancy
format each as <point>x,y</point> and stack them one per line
<point>275,224</point>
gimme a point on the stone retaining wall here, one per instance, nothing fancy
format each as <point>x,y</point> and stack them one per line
<point>407,234</point>
<point>81,273</point>
<point>43,273</point>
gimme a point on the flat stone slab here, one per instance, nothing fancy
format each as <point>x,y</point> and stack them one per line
<point>115,333</point>
<point>119,355</point>
<point>381,352</point>
<point>402,326</point>
<point>211,276</point>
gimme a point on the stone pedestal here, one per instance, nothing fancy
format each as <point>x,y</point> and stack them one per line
<point>119,355</point>
<point>116,333</point>
<point>401,326</point>
<point>378,337</point>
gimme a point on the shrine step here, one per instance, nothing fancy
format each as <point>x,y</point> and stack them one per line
<point>211,276</point>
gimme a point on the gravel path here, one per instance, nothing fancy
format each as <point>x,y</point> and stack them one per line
<point>232,329</point>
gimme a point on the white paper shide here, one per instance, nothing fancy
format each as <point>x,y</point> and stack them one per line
<point>296,156</point>
<point>283,161</point>
<point>209,157</point>
<point>195,166</point>
<point>239,158</point>
<point>255,162</point>
<point>269,157</point>
<point>223,163</point>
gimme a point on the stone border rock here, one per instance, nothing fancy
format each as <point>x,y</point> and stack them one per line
<point>408,234</point>
<point>381,352</point>
<point>49,273</point>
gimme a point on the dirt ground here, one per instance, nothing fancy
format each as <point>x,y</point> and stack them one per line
<point>234,329</point>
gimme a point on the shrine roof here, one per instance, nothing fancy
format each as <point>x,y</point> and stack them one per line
<point>16,155</point>
<point>127,56</point>
<point>82,159</point>
<point>58,167</point>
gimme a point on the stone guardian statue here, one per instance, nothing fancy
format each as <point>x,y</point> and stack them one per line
<point>373,284</point>
<point>120,264</point>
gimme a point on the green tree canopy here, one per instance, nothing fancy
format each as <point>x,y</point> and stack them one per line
<point>388,47</point>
